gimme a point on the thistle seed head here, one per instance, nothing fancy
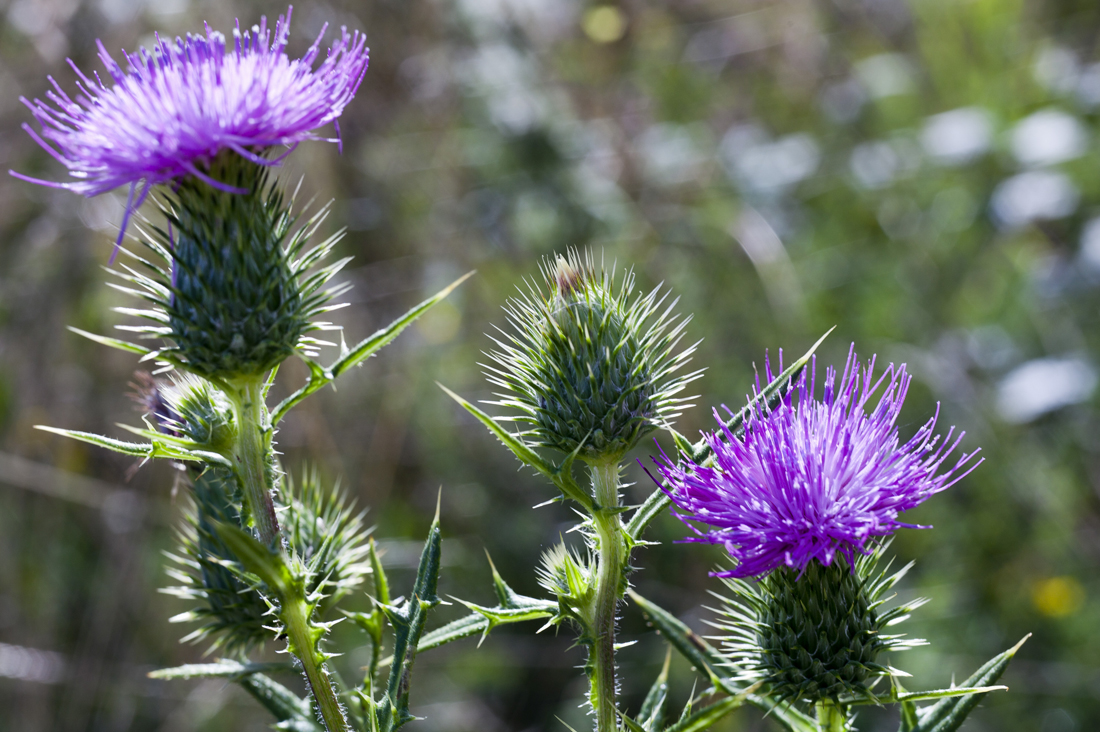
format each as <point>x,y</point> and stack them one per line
<point>589,367</point>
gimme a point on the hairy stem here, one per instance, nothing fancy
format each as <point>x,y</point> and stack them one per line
<point>296,619</point>
<point>253,456</point>
<point>831,717</point>
<point>609,590</point>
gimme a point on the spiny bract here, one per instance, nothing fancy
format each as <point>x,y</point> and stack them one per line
<point>235,293</point>
<point>589,369</point>
<point>817,634</point>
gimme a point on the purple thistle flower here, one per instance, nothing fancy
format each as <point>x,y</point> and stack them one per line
<point>176,108</point>
<point>813,478</point>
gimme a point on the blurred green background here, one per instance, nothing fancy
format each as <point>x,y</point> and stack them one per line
<point>920,174</point>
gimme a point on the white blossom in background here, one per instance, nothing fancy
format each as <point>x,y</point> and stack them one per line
<point>1033,196</point>
<point>1047,137</point>
<point>886,75</point>
<point>1089,253</point>
<point>754,161</point>
<point>1043,385</point>
<point>958,136</point>
<point>877,164</point>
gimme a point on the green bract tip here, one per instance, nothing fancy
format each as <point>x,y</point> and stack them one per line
<point>589,369</point>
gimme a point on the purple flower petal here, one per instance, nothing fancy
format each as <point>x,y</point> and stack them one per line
<point>177,107</point>
<point>811,479</point>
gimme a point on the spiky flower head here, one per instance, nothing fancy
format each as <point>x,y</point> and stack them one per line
<point>232,277</point>
<point>812,478</point>
<point>171,111</point>
<point>323,531</point>
<point>816,634</point>
<point>590,367</point>
<point>187,406</point>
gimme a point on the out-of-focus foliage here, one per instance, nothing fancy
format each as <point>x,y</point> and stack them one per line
<point>922,175</point>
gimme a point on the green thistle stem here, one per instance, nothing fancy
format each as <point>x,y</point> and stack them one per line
<point>831,717</point>
<point>609,590</point>
<point>295,617</point>
<point>252,456</point>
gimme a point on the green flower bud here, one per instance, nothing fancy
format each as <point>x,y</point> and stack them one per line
<point>324,533</point>
<point>189,407</point>
<point>235,297</point>
<point>589,369</point>
<point>815,636</point>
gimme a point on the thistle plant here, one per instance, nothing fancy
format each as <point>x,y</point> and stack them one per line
<point>588,369</point>
<point>231,284</point>
<point>803,497</point>
<point>803,493</point>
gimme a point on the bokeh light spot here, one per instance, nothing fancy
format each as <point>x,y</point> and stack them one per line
<point>604,23</point>
<point>1058,597</point>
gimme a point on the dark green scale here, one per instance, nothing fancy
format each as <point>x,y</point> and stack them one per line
<point>818,635</point>
<point>599,385</point>
<point>236,308</point>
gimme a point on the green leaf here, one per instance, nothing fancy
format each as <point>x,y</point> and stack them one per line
<point>224,668</point>
<point>284,704</point>
<point>629,724</point>
<point>708,715</point>
<point>112,342</point>
<point>126,448</point>
<point>909,719</point>
<point>495,616</point>
<point>464,627</point>
<point>407,622</point>
<point>700,451</point>
<point>709,662</point>
<point>320,376</point>
<point>949,714</point>
<point>256,558</point>
<point>369,346</point>
<point>381,582</point>
<point>158,449</point>
<point>561,476</point>
<point>652,712</point>
<point>914,696</point>
<point>281,702</point>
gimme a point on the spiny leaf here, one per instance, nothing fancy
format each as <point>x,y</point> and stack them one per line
<point>112,342</point>
<point>408,625</point>
<point>126,448</point>
<point>369,346</point>
<point>320,376</point>
<point>503,616</point>
<point>914,696</point>
<point>652,713</point>
<point>224,668</point>
<point>284,704</point>
<point>561,475</point>
<point>381,582</point>
<point>707,716</point>
<point>281,702</point>
<point>948,714</point>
